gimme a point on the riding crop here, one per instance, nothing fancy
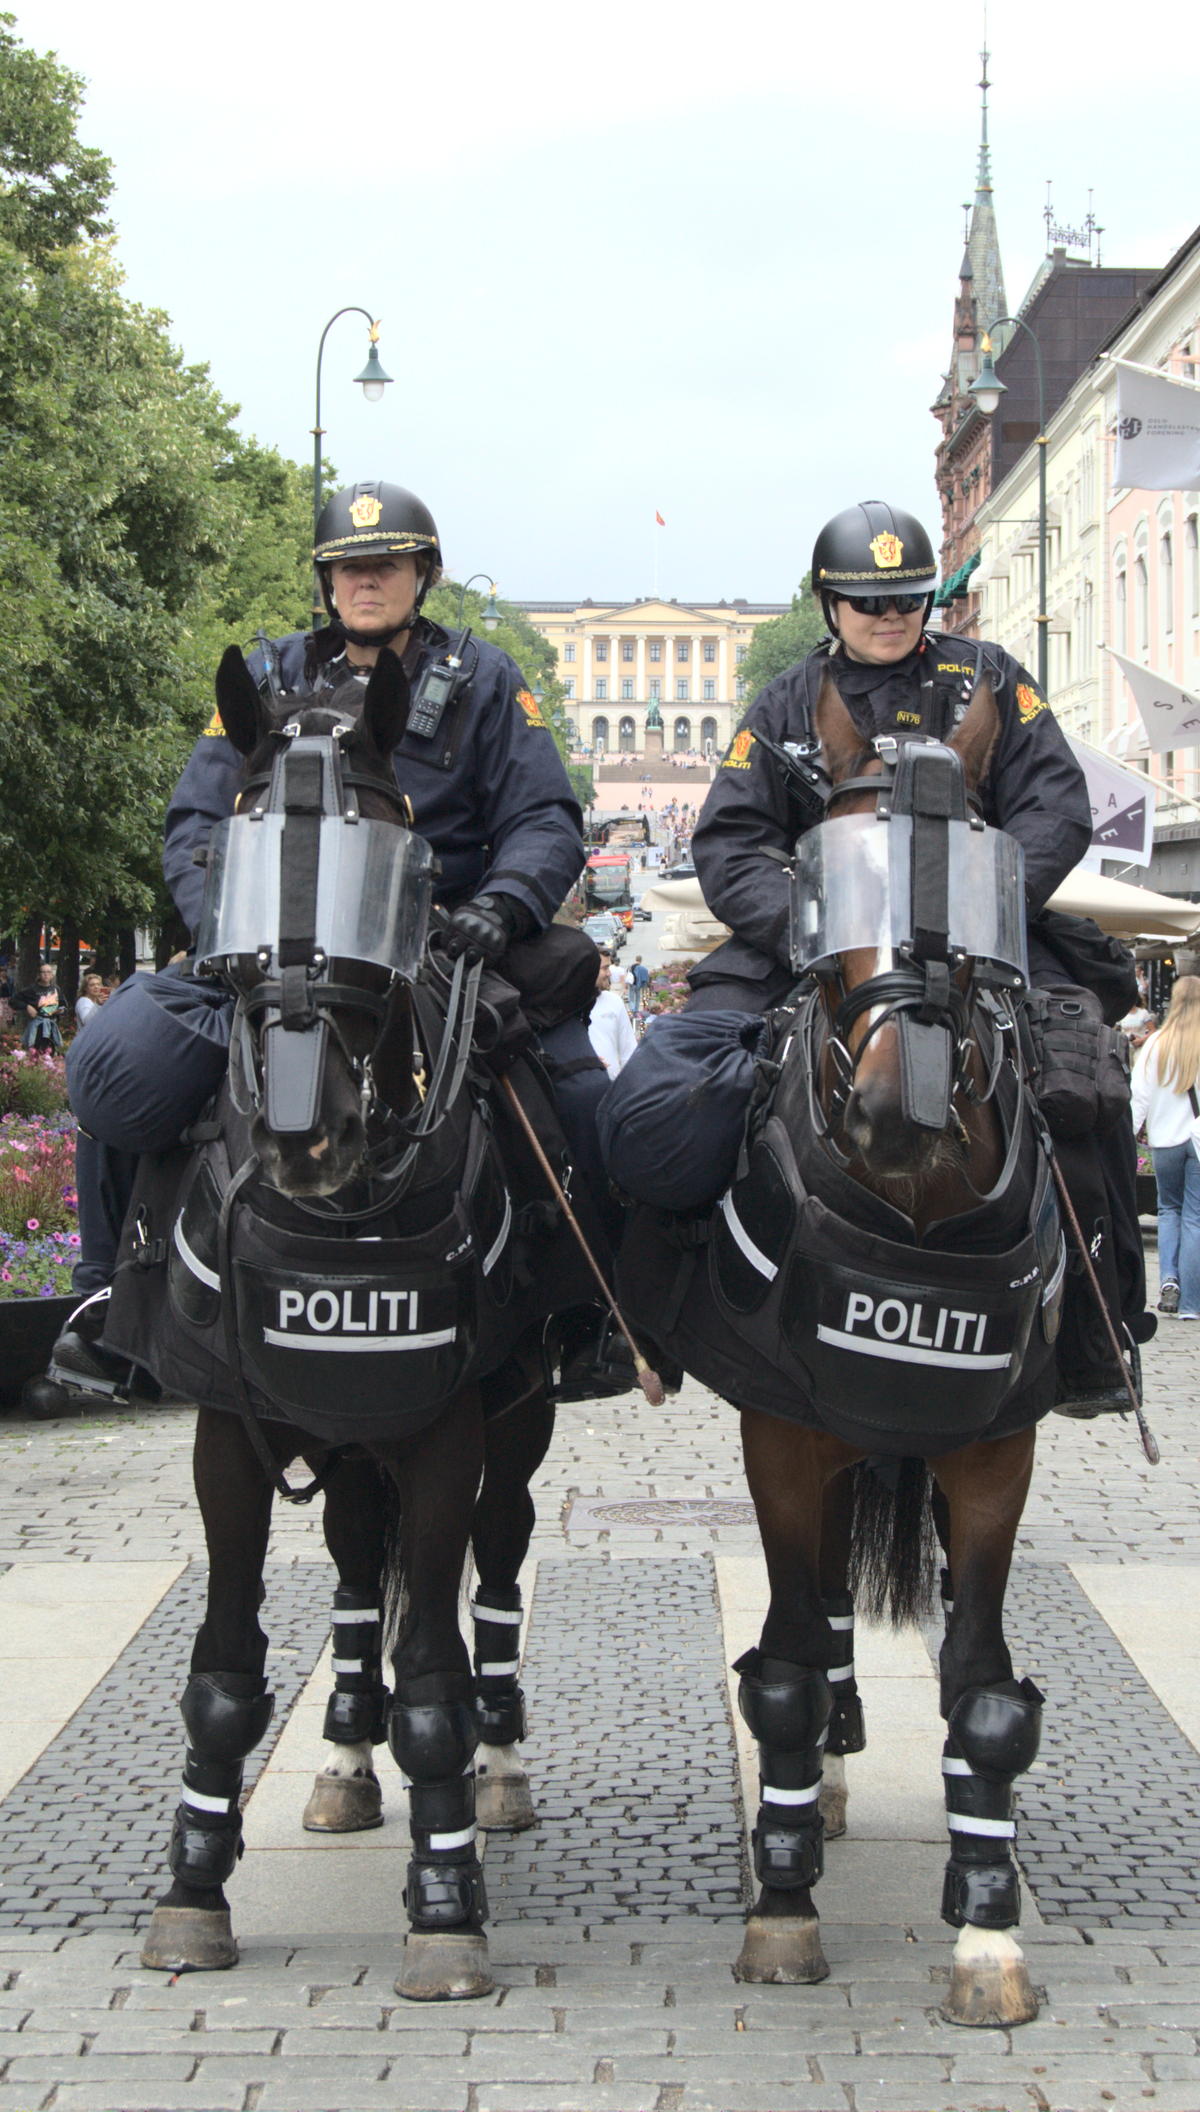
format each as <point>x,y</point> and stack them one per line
<point>1149,1441</point>
<point>649,1381</point>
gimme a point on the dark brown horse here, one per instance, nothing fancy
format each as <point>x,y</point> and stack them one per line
<point>358,1207</point>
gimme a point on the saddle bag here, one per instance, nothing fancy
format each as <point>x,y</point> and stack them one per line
<point>671,1123</point>
<point>1083,1079</point>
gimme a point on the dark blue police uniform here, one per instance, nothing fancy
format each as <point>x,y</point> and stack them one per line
<point>489,794</point>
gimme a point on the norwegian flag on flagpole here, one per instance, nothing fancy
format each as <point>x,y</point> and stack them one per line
<point>658,517</point>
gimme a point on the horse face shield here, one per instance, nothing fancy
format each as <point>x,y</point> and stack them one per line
<point>296,884</point>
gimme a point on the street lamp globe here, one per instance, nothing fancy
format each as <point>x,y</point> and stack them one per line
<point>491,614</point>
<point>987,387</point>
<point>373,380</point>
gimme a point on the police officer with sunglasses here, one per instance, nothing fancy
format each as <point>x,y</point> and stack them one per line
<point>874,571</point>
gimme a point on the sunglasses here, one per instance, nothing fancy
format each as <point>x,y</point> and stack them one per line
<point>879,604</point>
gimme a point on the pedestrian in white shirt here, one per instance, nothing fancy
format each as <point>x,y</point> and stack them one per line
<point>610,1029</point>
<point>1167,1067</point>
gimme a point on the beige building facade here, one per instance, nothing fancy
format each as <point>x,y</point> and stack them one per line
<point>670,661</point>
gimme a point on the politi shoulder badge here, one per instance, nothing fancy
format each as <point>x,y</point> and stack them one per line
<point>366,510</point>
<point>738,757</point>
<point>531,708</point>
<point>1029,703</point>
<point>887,551</point>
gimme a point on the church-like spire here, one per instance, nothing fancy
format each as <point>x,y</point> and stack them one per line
<point>983,242</point>
<point>984,180</point>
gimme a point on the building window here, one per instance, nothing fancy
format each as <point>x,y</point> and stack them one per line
<point>627,689</point>
<point>1191,543</point>
<point>601,648</point>
<point>741,653</point>
<point>683,736</point>
<point>626,648</point>
<point>599,733</point>
<point>656,648</point>
<point>681,690</point>
<point>568,652</point>
<point>600,692</point>
<point>740,688</point>
<point>1166,582</point>
<point>683,649</point>
<point>710,692</point>
<point>1141,604</point>
<point>1121,599</point>
<point>708,734</point>
<point>1087,631</point>
<point>656,689</point>
<point>569,685</point>
<point>625,736</point>
<point>710,649</point>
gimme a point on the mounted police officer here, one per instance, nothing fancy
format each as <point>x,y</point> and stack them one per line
<point>488,791</point>
<point>874,571</point>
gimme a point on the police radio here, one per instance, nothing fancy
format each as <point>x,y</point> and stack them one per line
<point>442,682</point>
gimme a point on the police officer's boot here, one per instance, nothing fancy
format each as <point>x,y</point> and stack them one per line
<point>79,1366</point>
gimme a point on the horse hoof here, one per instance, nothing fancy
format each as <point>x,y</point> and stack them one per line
<point>989,1985</point>
<point>344,1804</point>
<point>832,1806</point>
<point>503,1800</point>
<point>450,1967</point>
<point>783,1952</point>
<point>189,1940</point>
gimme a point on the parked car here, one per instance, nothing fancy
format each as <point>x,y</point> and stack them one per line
<point>606,930</point>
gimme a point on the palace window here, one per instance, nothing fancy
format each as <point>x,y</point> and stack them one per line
<point>683,736</point>
<point>601,648</point>
<point>683,648</point>
<point>656,689</point>
<point>656,648</point>
<point>626,648</point>
<point>708,733</point>
<point>710,649</point>
<point>681,690</point>
<point>625,736</point>
<point>599,733</point>
<point>600,692</point>
<point>569,685</point>
<point>710,692</point>
<point>741,653</point>
<point>627,688</point>
<point>568,652</point>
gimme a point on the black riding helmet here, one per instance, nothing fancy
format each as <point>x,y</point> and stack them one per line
<point>377,520</point>
<point>872,548</point>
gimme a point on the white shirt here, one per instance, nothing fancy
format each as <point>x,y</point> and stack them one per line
<point>610,1031</point>
<point>1167,1115</point>
<point>84,1008</point>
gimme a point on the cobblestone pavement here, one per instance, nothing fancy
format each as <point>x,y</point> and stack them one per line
<point>615,1921</point>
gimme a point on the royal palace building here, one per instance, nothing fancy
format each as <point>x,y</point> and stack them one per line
<point>664,668</point>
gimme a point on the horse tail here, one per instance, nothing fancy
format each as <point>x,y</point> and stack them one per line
<point>892,1544</point>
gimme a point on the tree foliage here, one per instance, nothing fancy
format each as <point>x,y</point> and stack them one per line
<point>141,533</point>
<point>780,644</point>
<point>534,655</point>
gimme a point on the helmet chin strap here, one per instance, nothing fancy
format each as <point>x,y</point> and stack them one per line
<point>368,638</point>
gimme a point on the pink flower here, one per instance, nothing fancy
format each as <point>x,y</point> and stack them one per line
<point>73,1239</point>
<point>5,1276</point>
<point>32,1224</point>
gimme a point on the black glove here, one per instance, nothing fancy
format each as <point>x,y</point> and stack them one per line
<point>485,928</point>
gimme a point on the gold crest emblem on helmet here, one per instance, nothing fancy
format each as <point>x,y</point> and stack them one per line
<point>887,551</point>
<point>366,511</point>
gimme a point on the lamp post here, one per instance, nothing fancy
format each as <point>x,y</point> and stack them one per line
<point>491,615</point>
<point>987,389</point>
<point>372,381</point>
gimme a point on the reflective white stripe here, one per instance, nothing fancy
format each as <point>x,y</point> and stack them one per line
<point>962,1822</point>
<point>372,1345</point>
<point>841,1671</point>
<point>1059,1267</point>
<point>351,1620</point>
<point>900,1353</point>
<point>841,1623</point>
<point>499,1671</point>
<point>193,1261</point>
<point>454,1840</point>
<point>500,1614</point>
<point>498,1244</point>
<point>819,1742</point>
<point>199,1803</point>
<point>347,1664</point>
<point>956,1767</point>
<point>771,1795</point>
<point>754,1255</point>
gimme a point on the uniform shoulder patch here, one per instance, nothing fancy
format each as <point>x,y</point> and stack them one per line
<point>531,708</point>
<point>738,757</point>
<point>214,726</point>
<point>1029,702</point>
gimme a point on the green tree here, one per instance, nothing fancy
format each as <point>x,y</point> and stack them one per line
<point>534,655</point>
<point>52,189</point>
<point>779,645</point>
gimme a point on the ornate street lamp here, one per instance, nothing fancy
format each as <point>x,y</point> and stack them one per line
<point>491,615</point>
<point>373,381</point>
<point>987,389</point>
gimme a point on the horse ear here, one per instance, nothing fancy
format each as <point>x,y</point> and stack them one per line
<point>385,706</point>
<point>976,735</point>
<point>839,736</point>
<point>243,714</point>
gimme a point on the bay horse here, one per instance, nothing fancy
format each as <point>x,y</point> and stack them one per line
<point>346,1272</point>
<point>883,1282</point>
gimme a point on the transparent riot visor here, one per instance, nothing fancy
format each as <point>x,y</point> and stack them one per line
<point>852,887</point>
<point>374,887</point>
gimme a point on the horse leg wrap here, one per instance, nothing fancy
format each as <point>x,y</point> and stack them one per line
<point>356,1712</point>
<point>499,1702</point>
<point>788,1709</point>
<point>225,1714</point>
<point>993,1734</point>
<point>847,1731</point>
<point>433,1743</point>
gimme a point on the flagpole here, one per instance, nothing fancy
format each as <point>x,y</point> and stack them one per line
<point>656,557</point>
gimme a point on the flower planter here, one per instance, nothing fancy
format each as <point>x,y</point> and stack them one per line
<point>29,1328</point>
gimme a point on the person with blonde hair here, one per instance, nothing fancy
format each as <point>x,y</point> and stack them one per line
<point>1165,1097</point>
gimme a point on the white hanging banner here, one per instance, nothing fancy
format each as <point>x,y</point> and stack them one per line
<point>1171,715</point>
<point>1158,431</point>
<point>1122,809</point>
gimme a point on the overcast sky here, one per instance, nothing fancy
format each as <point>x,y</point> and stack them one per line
<point>640,256</point>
